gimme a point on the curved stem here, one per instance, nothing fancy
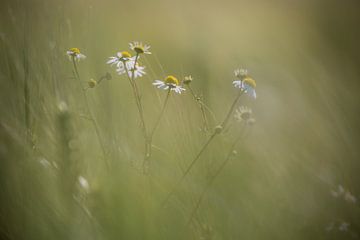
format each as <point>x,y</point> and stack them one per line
<point>96,127</point>
<point>189,168</point>
<point>218,171</point>
<point>161,114</point>
<point>202,109</point>
<point>137,95</point>
<point>226,120</point>
<point>197,157</point>
<point>148,146</point>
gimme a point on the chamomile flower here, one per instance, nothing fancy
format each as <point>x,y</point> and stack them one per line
<point>139,47</point>
<point>244,114</point>
<point>138,71</point>
<point>245,82</point>
<point>74,53</point>
<point>171,83</point>
<point>240,73</point>
<point>121,59</point>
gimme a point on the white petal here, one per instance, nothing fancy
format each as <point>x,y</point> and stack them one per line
<point>158,82</point>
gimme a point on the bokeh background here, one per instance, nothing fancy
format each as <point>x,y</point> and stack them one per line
<point>296,171</point>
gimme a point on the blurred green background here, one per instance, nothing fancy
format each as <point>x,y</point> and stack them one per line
<point>305,57</point>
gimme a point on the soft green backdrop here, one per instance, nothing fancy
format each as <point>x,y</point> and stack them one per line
<point>305,57</point>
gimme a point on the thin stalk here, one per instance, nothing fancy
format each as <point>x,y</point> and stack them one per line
<point>210,139</point>
<point>189,168</point>
<point>27,99</point>
<point>137,95</point>
<point>92,119</point>
<point>101,79</point>
<point>218,171</point>
<point>227,118</point>
<point>148,146</point>
<point>161,114</point>
<point>202,108</point>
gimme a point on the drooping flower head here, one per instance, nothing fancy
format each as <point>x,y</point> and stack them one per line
<point>171,83</point>
<point>139,47</point>
<point>74,53</point>
<point>245,82</point>
<point>244,114</point>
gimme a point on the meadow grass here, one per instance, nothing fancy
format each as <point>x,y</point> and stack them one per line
<point>94,151</point>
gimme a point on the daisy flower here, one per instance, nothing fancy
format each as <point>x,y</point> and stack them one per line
<point>138,71</point>
<point>171,83</point>
<point>74,53</point>
<point>139,47</point>
<point>120,59</point>
<point>244,114</point>
<point>240,73</point>
<point>245,82</point>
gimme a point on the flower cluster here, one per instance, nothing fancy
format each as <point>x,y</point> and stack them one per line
<point>127,64</point>
<point>245,82</point>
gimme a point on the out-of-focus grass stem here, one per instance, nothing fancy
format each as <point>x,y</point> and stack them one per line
<point>27,97</point>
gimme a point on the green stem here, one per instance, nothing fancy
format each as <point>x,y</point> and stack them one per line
<point>148,146</point>
<point>202,109</point>
<point>218,171</point>
<point>161,114</point>
<point>137,95</point>
<point>96,127</point>
<point>27,98</point>
<point>197,157</point>
<point>227,118</point>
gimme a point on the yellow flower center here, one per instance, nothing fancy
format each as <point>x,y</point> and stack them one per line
<point>172,79</point>
<point>125,54</point>
<point>250,81</point>
<point>139,49</point>
<point>75,50</point>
